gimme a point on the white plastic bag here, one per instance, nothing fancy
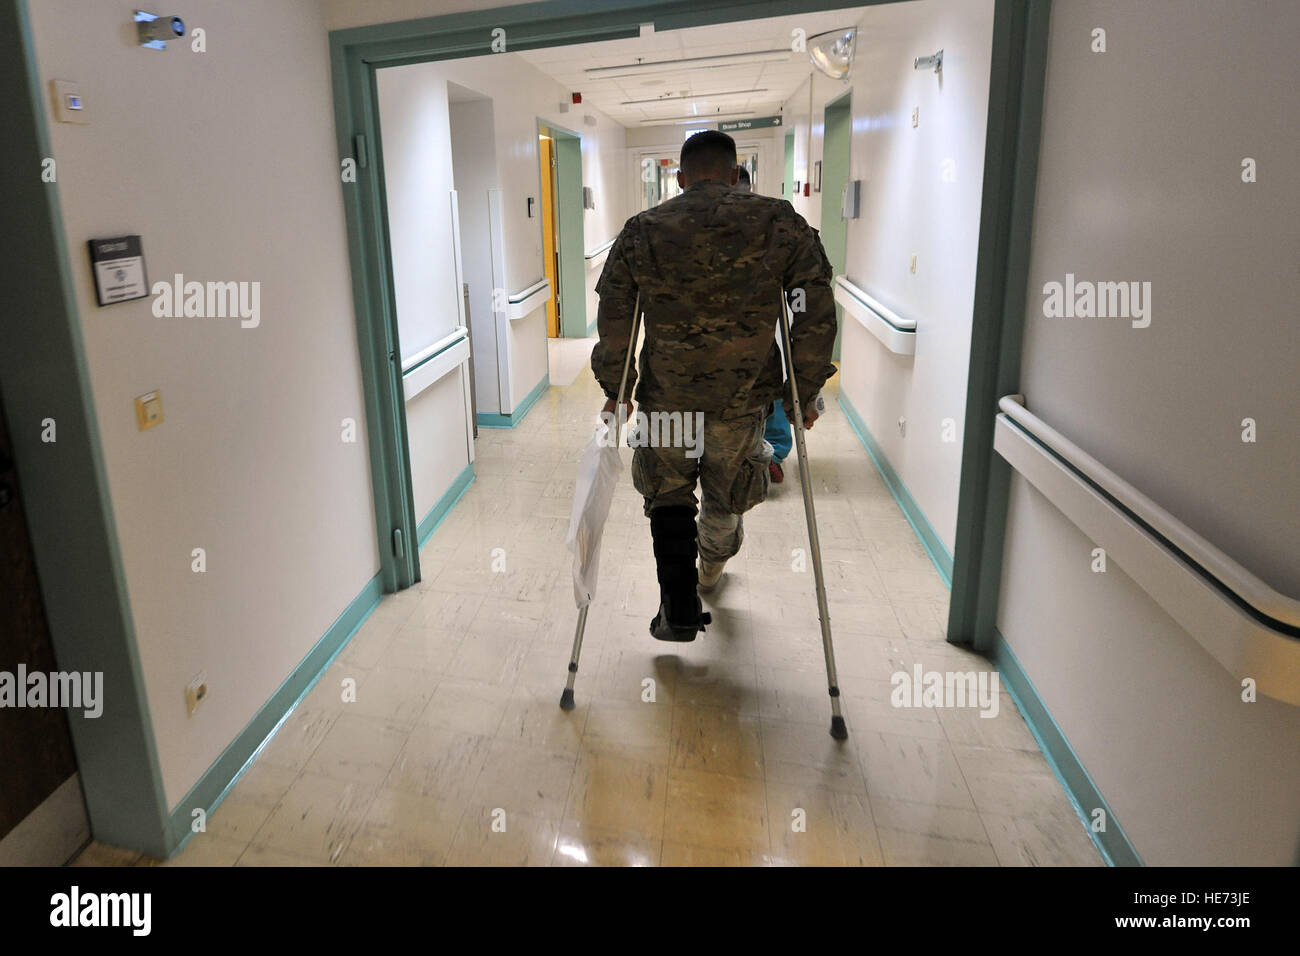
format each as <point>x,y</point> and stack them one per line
<point>598,472</point>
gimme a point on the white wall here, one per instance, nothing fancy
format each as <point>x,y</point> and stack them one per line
<point>415,126</point>
<point>1140,179</point>
<point>248,464</point>
<point>521,96</point>
<point>437,439</point>
<point>473,153</point>
<point>416,131</point>
<point>806,151</point>
<point>908,208</point>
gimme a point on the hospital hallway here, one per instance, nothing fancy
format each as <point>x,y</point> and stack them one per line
<point>314,553</point>
<point>457,681</point>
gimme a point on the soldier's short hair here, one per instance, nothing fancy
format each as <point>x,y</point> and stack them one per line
<point>708,152</point>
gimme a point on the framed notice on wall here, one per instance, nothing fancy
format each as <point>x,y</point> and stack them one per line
<point>118,265</point>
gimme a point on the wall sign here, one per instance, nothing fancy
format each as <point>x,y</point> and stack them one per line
<point>736,126</point>
<point>118,265</point>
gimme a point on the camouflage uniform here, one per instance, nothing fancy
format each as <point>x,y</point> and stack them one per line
<point>709,265</point>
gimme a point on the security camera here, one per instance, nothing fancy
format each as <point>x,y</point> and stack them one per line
<point>155,29</point>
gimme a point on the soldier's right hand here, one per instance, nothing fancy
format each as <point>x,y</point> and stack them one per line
<point>811,411</point>
<point>609,409</point>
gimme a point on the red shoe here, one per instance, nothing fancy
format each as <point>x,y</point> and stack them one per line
<point>774,469</point>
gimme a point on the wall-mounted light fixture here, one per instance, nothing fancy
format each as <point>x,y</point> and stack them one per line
<point>925,62</point>
<point>154,31</point>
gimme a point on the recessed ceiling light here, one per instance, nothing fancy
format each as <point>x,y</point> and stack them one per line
<point>703,97</point>
<point>693,118</point>
<point>689,63</point>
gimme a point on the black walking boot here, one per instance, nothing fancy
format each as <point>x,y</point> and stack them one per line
<point>681,615</point>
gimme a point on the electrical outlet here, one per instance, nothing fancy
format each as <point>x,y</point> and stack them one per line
<point>916,116</point>
<point>196,692</point>
<point>902,426</point>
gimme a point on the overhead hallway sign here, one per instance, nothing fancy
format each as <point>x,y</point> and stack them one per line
<point>738,126</point>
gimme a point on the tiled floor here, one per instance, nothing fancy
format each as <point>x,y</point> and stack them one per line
<point>455,750</point>
<point>569,358</point>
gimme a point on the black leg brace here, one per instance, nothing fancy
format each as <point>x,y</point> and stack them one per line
<point>673,531</point>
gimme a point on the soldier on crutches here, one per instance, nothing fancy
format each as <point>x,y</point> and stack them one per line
<point>703,269</point>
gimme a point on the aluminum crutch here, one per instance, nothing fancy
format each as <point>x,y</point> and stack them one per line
<point>566,698</point>
<point>838,728</point>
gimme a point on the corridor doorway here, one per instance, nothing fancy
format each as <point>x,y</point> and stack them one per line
<point>563,232</point>
<point>550,239</point>
<point>42,814</point>
<point>834,180</point>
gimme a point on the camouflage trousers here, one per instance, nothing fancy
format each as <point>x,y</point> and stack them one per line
<point>730,465</point>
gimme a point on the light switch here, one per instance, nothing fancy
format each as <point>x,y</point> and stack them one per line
<point>916,116</point>
<point>149,410</point>
<point>69,107</point>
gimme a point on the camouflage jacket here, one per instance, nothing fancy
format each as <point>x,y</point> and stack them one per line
<point>709,266</point>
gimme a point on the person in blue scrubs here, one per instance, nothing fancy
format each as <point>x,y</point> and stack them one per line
<point>777,434</point>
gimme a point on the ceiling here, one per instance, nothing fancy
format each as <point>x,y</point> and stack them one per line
<point>636,98</point>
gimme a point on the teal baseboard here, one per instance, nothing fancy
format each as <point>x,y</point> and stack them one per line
<point>1112,843</point>
<point>496,420</point>
<point>213,786</point>
<point>929,538</point>
<point>429,524</point>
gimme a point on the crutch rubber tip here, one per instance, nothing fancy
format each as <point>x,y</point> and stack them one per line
<point>566,699</point>
<point>838,729</point>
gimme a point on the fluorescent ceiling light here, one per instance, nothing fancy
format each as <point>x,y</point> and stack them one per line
<point>700,96</point>
<point>691,63</point>
<point>832,52</point>
<point>706,118</point>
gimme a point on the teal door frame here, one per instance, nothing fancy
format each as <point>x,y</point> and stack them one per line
<point>1019,52</point>
<point>569,232</point>
<point>1014,130</point>
<point>837,143</point>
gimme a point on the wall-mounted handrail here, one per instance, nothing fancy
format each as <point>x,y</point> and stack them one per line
<point>529,300</point>
<point>593,256</point>
<point>896,333</point>
<point>517,297</point>
<point>1248,626</point>
<point>893,318</point>
<point>428,366</point>
<point>444,343</point>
